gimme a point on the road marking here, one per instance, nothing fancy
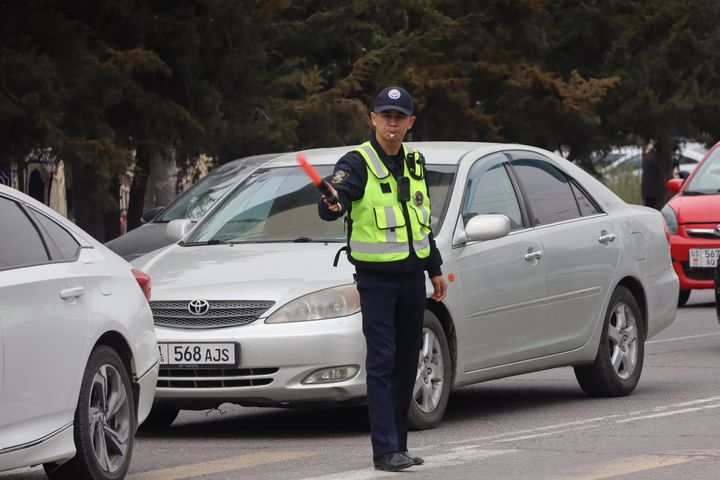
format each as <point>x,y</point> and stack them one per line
<point>667,414</point>
<point>563,427</point>
<point>633,465</point>
<point>539,435</point>
<point>682,338</point>
<point>457,456</point>
<point>560,428</point>
<point>218,466</point>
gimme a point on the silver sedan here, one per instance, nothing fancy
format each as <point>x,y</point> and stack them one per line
<point>546,268</point>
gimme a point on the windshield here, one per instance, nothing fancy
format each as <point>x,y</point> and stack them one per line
<point>706,179</point>
<point>203,194</point>
<point>280,205</point>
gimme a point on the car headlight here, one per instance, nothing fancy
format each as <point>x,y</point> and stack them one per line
<point>333,302</point>
<point>670,219</point>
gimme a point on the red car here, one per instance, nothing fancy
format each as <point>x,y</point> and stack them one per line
<point>693,222</point>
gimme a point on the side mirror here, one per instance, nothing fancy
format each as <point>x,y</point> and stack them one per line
<point>675,184</point>
<point>482,227</point>
<point>177,229</point>
<point>150,214</point>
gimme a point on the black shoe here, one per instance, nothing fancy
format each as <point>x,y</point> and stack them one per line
<point>415,460</point>
<point>393,462</point>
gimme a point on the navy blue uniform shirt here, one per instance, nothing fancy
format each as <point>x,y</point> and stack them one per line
<point>349,179</point>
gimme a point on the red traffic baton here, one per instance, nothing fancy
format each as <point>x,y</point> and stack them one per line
<point>321,184</point>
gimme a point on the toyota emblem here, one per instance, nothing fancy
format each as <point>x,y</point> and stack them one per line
<point>198,307</point>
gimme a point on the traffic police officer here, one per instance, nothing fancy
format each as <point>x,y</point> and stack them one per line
<point>382,187</point>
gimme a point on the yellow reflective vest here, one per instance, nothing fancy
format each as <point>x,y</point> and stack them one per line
<point>380,232</point>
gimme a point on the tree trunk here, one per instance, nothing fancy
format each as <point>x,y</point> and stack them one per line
<point>162,182</point>
<point>111,217</point>
<point>665,148</point>
<point>88,214</point>
<point>138,187</point>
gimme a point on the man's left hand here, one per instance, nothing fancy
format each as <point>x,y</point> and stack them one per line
<point>440,288</point>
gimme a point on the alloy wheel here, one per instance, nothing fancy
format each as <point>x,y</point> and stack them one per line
<point>622,340</point>
<point>430,377</point>
<point>110,421</point>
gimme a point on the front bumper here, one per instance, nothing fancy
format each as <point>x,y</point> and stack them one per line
<point>691,278</point>
<point>274,360</point>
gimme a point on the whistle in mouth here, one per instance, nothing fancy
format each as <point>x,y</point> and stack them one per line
<point>319,183</point>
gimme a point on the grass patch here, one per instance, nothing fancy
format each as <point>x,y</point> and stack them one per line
<point>625,184</point>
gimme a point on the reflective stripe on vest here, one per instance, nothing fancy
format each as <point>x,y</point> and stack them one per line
<point>373,247</point>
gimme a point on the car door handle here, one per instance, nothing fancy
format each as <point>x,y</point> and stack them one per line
<point>533,255</point>
<point>73,292</point>
<point>606,237</point>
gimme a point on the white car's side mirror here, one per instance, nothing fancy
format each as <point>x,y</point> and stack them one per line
<point>481,228</point>
<point>177,229</point>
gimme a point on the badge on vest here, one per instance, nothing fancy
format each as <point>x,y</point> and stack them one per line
<point>418,198</point>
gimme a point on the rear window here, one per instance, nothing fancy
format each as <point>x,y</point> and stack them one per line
<point>203,194</point>
<point>21,243</point>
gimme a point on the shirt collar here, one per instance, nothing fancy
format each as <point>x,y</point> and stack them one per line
<point>384,156</point>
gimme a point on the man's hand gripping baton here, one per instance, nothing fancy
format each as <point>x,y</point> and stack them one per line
<point>321,184</point>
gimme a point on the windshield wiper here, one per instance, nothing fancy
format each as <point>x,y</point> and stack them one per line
<point>303,240</point>
<point>694,193</point>
<point>214,241</point>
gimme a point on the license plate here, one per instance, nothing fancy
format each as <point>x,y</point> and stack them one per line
<point>204,355</point>
<point>704,257</point>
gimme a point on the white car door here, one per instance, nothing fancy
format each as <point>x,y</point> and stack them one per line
<point>502,280</point>
<point>43,312</point>
<point>580,249</point>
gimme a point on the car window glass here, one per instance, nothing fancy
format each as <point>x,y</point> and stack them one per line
<point>491,192</point>
<point>440,180</point>
<point>587,208</point>
<point>706,178</point>
<point>61,244</point>
<point>280,205</point>
<point>21,243</point>
<point>197,200</point>
<point>548,191</point>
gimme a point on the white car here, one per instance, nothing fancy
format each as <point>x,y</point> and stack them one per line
<point>192,204</point>
<point>78,356</point>
<point>546,268</point>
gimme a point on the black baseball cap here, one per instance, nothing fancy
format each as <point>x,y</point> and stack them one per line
<point>394,98</point>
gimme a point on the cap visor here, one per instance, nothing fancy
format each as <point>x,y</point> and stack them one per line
<point>385,108</point>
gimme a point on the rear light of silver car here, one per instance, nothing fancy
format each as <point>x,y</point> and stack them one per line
<point>144,282</point>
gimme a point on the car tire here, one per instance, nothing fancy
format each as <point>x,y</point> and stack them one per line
<point>105,422</point>
<point>433,380</point>
<point>160,417</point>
<point>683,297</point>
<point>619,361</point>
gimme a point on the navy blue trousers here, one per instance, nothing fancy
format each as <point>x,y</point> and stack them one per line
<point>393,308</point>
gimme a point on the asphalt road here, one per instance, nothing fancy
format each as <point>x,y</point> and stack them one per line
<point>537,426</point>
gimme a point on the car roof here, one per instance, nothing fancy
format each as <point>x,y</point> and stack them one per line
<point>440,153</point>
<point>252,160</point>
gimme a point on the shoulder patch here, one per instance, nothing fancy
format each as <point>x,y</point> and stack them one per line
<point>339,177</point>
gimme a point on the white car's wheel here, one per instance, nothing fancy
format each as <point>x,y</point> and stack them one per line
<point>434,377</point>
<point>619,361</point>
<point>104,422</point>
